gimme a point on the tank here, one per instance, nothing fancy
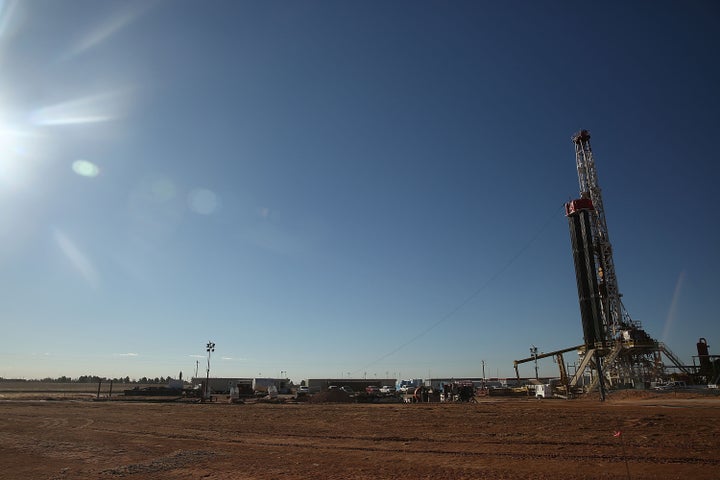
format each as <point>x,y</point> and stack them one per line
<point>704,356</point>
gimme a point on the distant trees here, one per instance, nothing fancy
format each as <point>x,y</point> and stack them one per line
<point>92,379</point>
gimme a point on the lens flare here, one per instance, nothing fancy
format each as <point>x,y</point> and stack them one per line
<point>203,201</point>
<point>102,107</point>
<point>85,168</point>
<point>79,260</point>
<point>673,306</point>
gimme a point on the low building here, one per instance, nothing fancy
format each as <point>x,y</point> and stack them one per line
<point>283,385</point>
<point>220,385</point>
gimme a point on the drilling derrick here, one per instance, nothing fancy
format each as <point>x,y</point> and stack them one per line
<point>612,310</point>
<point>617,351</point>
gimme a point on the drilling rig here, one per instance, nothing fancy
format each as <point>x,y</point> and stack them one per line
<point>617,351</point>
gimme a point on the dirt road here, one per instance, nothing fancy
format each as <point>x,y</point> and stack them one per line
<point>662,438</point>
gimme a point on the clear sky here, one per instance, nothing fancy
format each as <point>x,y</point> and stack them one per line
<point>345,188</point>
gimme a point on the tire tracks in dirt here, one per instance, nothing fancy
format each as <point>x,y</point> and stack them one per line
<point>172,461</point>
<point>312,443</point>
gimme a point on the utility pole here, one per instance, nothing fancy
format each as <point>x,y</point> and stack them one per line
<point>484,381</point>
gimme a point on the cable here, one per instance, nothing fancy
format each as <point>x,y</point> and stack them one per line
<point>471,297</point>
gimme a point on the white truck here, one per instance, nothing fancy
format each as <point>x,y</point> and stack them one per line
<point>543,391</point>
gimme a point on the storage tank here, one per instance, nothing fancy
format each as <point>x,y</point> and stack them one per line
<point>704,356</point>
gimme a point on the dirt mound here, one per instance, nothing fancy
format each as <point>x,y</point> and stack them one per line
<point>331,396</point>
<point>651,394</point>
<point>632,394</point>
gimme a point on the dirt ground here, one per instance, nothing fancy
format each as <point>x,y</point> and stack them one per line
<point>664,436</point>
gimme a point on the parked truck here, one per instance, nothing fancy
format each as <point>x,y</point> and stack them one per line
<point>543,391</point>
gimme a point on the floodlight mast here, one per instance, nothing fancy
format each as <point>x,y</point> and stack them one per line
<point>614,317</point>
<point>534,354</point>
<point>210,347</point>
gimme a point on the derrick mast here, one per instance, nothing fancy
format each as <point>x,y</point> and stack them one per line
<point>613,317</point>
<point>616,350</point>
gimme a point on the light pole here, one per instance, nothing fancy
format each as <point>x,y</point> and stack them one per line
<point>533,352</point>
<point>210,347</point>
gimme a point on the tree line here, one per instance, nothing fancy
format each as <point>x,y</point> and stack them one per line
<point>92,379</point>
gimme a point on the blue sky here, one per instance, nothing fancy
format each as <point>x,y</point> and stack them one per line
<point>345,188</point>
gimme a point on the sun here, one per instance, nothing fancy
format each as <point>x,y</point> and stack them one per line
<point>13,152</point>
<point>6,149</point>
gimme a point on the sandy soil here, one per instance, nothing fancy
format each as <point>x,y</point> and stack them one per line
<point>663,437</point>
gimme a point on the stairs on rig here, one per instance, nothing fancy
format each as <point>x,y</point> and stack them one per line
<point>608,360</point>
<point>583,365</point>
<point>671,356</point>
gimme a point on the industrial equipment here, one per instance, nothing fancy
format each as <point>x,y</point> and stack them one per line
<point>617,352</point>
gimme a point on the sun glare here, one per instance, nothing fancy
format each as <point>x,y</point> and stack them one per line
<point>89,109</point>
<point>11,151</point>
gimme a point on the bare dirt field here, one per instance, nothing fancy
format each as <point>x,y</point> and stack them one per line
<point>664,436</point>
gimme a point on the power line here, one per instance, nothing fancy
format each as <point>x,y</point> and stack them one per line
<point>472,296</point>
